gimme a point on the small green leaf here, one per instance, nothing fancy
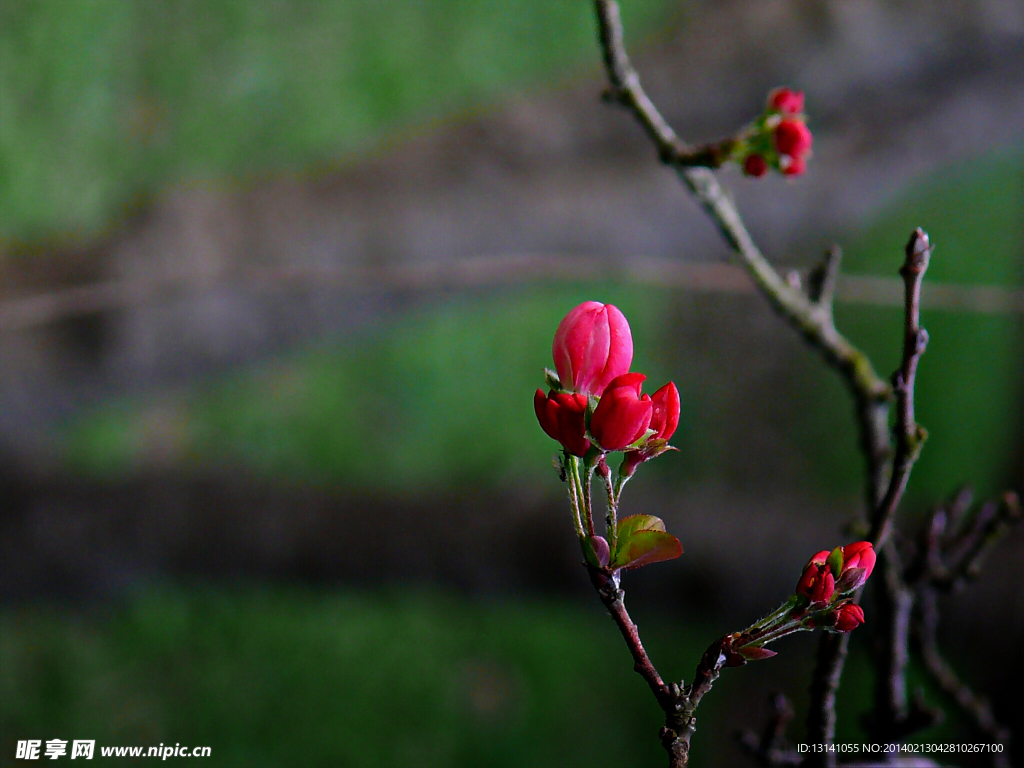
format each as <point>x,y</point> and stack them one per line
<point>644,548</point>
<point>629,525</point>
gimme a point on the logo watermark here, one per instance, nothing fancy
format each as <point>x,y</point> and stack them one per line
<point>53,749</point>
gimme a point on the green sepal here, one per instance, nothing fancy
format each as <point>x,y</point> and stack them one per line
<point>835,562</point>
<point>643,439</point>
<point>552,380</point>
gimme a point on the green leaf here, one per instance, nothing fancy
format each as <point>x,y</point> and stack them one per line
<point>629,525</point>
<point>642,540</point>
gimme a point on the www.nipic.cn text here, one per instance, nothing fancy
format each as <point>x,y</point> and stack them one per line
<point>34,749</point>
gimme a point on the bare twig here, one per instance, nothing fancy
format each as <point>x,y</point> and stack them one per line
<point>954,542</point>
<point>812,318</point>
<point>910,436</point>
<point>891,714</point>
<point>975,707</point>
<point>770,749</point>
<point>821,716</point>
<point>821,283</point>
<point>982,532</point>
<point>613,599</point>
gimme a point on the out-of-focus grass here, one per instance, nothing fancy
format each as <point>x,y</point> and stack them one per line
<point>441,398</point>
<point>292,677</point>
<point>102,100</point>
<point>434,386</point>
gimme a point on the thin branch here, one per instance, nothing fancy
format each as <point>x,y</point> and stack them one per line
<point>983,532</point>
<point>613,599</point>
<point>770,749</point>
<point>975,707</point>
<point>891,697</point>
<point>821,716</point>
<point>821,283</point>
<point>813,319</point>
<point>895,717</point>
<point>910,436</point>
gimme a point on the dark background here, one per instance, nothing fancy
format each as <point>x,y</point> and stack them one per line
<point>278,280</point>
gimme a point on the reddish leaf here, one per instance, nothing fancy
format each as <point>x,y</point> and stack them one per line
<point>753,653</point>
<point>646,547</point>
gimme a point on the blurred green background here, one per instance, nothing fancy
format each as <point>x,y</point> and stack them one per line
<point>104,104</point>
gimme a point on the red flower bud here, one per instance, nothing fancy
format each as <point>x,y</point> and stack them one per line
<point>592,346</point>
<point>858,562</point>
<point>623,415</point>
<point>817,583</point>
<point>793,138</point>
<point>561,416</point>
<point>786,101</point>
<point>796,166</point>
<point>755,165</point>
<point>860,554</point>
<point>665,413</point>
<point>847,617</point>
<point>820,558</point>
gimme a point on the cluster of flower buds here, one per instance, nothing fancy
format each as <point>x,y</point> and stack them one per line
<point>595,403</point>
<point>596,406</point>
<point>778,139</point>
<point>828,578</point>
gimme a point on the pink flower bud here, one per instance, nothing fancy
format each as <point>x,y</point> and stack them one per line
<point>786,101</point>
<point>665,413</point>
<point>755,165</point>
<point>846,617</point>
<point>561,416</point>
<point>623,415</point>
<point>817,583</point>
<point>592,346</point>
<point>793,138</point>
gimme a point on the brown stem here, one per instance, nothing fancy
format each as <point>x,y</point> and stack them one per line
<point>895,604</point>
<point>614,599</point>
<point>812,317</point>
<point>909,439</point>
<point>910,436</point>
<point>821,717</point>
<point>972,705</point>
